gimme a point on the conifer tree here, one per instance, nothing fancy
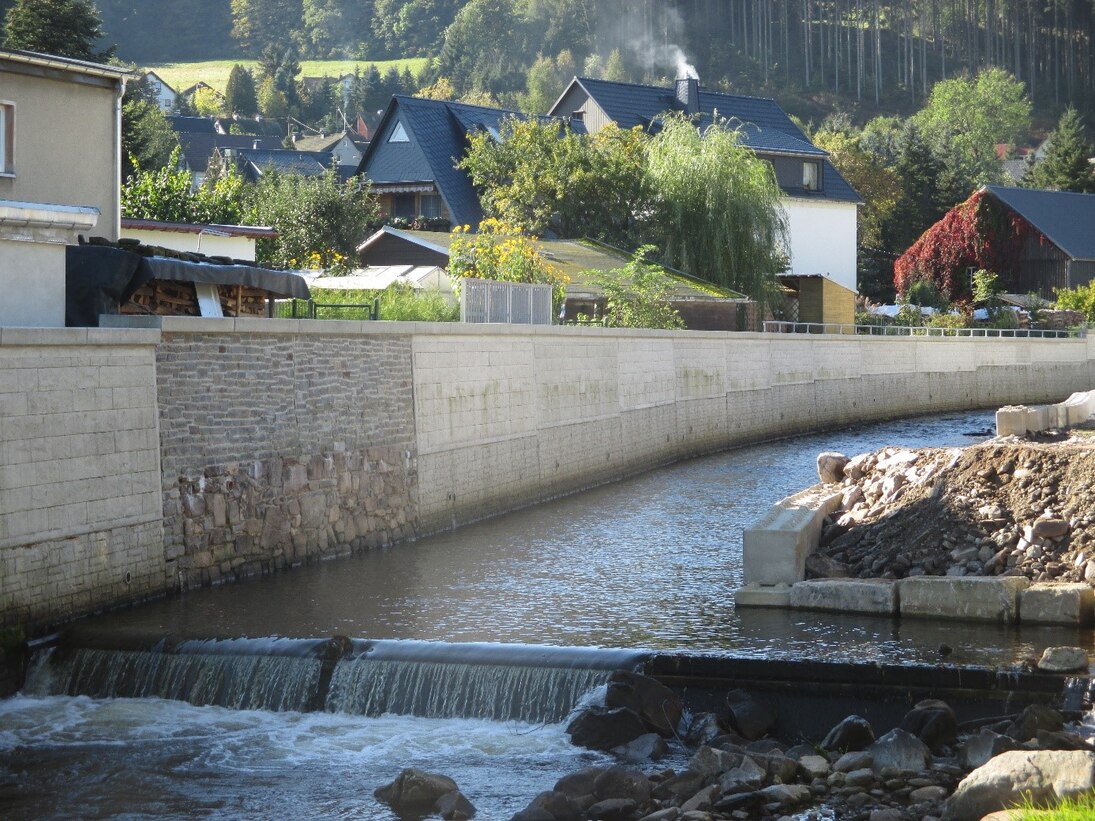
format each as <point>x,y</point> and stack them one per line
<point>240,96</point>
<point>67,28</point>
<point>1066,166</point>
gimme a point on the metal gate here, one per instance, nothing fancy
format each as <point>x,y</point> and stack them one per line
<point>516,303</point>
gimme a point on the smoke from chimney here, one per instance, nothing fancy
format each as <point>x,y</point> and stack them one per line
<point>685,70</point>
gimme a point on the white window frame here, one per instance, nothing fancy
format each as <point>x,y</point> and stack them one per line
<point>7,138</point>
<point>399,134</point>
<point>811,182</point>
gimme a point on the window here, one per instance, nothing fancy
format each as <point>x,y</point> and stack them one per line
<point>399,134</point>
<point>811,176</point>
<point>403,206</point>
<point>430,206</point>
<point>7,137</point>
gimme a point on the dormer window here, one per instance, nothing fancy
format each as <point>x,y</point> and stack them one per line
<point>7,138</point>
<point>399,134</point>
<point>811,176</point>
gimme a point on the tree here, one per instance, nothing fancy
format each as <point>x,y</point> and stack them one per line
<point>484,48</point>
<point>206,102</point>
<point>67,28</point>
<point>239,94</point>
<point>166,194</point>
<point>967,117</point>
<point>543,176</point>
<point>716,208</point>
<point>259,24</point>
<point>319,220</point>
<point>1065,166</point>
<point>637,295</point>
<point>147,137</point>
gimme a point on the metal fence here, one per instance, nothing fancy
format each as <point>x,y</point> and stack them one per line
<point>516,303</point>
<point>310,309</point>
<point>782,327</point>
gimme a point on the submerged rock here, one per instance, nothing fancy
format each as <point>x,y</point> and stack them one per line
<point>852,734</point>
<point>415,791</point>
<point>601,728</point>
<point>659,707</point>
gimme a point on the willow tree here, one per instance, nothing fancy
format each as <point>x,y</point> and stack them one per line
<point>716,211</point>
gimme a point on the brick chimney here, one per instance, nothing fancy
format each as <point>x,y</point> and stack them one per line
<point>688,95</point>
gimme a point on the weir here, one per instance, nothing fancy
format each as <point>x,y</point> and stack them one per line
<point>535,684</point>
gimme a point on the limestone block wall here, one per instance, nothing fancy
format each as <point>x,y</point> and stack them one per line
<point>80,502</point>
<point>282,440</point>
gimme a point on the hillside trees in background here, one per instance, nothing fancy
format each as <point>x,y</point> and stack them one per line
<point>258,25</point>
<point>157,31</point>
<point>1065,166</point>
<point>67,28</point>
<point>409,28</point>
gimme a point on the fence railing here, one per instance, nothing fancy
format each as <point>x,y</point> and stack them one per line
<point>310,309</point>
<point>782,327</point>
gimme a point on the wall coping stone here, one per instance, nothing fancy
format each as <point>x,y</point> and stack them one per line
<point>27,337</point>
<point>43,222</point>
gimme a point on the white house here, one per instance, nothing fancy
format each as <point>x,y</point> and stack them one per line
<point>166,96</point>
<point>232,241</point>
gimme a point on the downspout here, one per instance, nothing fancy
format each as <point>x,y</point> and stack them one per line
<point>118,158</point>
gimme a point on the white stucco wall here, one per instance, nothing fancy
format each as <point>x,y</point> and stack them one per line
<point>208,244</point>
<point>823,238</point>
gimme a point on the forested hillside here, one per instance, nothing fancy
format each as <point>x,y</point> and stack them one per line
<point>868,55</point>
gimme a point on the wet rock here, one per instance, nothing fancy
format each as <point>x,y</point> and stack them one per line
<point>856,760</point>
<point>748,776</point>
<point>621,782</point>
<point>1063,659</point>
<point>1061,740</point>
<point>659,707</point>
<point>930,793</point>
<point>886,814</point>
<point>978,749</point>
<point>1034,718</point>
<point>900,750</point>
<point>751,716</point>
<point>702,800</point>
<point>668,814</point>
<point>814,766</point>
<point>453,806</point>
<point>679,787</point>
<point>602,728</point>
<point>1046,777</point>
<point>415,791</point>
<point>830,466</point>
<point>851,734</point>
<point>821,566</point>
<point>613,809</point>
<point>933,722</point>
<point>704,728</point>
<point>580,782</point>
<point>787,795</point>
<point>649,747</point>
<point>537,814</point>
<point>710,762</point>
<point>557,806</point>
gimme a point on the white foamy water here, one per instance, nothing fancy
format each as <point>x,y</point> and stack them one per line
<point>76,757</point>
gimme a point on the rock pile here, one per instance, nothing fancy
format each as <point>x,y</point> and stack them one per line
<point>1014,509</point>
<point>914,771</point>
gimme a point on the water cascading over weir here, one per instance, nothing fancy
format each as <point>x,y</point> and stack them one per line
<point>535,684</point>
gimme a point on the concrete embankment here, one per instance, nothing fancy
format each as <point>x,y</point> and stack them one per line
<point>141,461</point>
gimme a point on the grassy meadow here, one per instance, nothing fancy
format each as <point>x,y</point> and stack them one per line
<point>215,72</point>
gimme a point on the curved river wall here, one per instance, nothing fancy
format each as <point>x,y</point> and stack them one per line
<point>143,460</point>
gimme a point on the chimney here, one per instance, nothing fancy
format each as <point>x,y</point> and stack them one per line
<point>256,144</point>
<point>688,95</point>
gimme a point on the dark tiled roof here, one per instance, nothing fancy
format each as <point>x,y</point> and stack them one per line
<point>1066,219</point>
<point>198,147</point>
<point>192,125</point>
<point>1015,170</point>
<point>440,129</point>
<point>255,161</point>
<point>764,125</point>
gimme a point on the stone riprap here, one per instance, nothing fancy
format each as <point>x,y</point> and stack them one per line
<point>284,440</point>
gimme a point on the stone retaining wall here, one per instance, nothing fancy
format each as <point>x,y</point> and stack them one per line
<point>282,440</point>
<point>80,503</point>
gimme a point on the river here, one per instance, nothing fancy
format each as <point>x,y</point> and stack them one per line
<point>646,563</point>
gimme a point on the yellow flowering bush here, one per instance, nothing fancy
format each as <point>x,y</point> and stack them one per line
<point>501,251</point>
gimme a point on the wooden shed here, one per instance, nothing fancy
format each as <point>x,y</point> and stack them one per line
<point>818,299</point>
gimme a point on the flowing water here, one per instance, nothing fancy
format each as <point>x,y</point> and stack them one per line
<point>279,727</point>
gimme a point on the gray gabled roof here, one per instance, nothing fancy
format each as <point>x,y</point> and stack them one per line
<point>764,126</point>
<point>440,129</point>
<point>1064,218</point>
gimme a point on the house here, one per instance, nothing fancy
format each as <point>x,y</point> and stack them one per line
<point>1047,242</point>
<point>54,183</point>
<point>703,306</point>
<point>341,146</point>
<point>167,98</point>
<point>819,204</point>
<point>232,241</point>
<point>252,163</point>
<point>188,93</point>
<point>411,161</point>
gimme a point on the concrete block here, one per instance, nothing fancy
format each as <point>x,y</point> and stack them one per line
<point>775,548</point>
<point>846,596</point>
<point>1057,604</point>
<point>756,595</point>
<point>972,598</point>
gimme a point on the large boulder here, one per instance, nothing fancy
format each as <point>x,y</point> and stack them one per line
<point>1044,776</point>
<point>658,706</point>
<point>850,735</point>
<point>649,747</point>
<point>454,806</point>
<point>899,750</point>
<point>752,717</point>
<point>1033,719</point>
<point>621,782</point>
<point>979,749</point>
<point>830,466</point>
<point>933,722</point>
<point>603,728</point>
<point>415,791</point>
<point>555,805</point>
